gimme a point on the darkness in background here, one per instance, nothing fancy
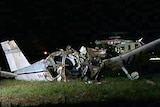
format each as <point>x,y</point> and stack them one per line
<point>52,24</point>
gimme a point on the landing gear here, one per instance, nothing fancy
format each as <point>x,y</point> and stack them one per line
<point>133,76</point>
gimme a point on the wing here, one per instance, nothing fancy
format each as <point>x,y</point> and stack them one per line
<point>130,55</point>
<point>119,60</point>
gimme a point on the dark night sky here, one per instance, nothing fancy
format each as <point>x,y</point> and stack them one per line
<point>51,24</point>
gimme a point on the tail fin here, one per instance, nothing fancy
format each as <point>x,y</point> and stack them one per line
<point>14,55</point>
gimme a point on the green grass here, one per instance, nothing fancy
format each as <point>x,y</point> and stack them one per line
<point>25,93</point>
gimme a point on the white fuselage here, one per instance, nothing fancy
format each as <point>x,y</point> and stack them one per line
<point>34,72</point>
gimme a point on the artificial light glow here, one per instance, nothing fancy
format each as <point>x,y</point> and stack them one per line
<point>45,52</point>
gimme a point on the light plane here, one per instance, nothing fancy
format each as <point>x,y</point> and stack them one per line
<point>50,69</point>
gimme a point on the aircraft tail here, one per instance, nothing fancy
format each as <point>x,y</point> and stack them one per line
<point>14,55</point>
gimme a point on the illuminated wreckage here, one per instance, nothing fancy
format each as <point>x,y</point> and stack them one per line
<point>87,63</point>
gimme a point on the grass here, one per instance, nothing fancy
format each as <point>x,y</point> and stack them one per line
<point>25,93</point>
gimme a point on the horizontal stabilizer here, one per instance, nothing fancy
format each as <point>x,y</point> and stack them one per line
<point>7,74</point>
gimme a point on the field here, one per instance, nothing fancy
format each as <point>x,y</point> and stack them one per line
<point>116,91</point>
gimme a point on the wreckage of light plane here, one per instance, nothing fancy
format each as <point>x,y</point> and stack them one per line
<point>50,69</point>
